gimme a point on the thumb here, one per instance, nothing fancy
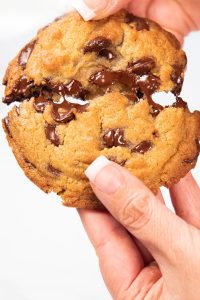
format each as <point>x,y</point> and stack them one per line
<point>165,235</point>
<point>98,9</point>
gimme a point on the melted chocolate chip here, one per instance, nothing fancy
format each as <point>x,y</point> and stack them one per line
<point>148,85</point>
<point>139,86</point>
<point>65,111</point>
<point>150,82</point>
<point>140,23</point>
<point>142,66</point>
<point>114,138</point>
<point>180,103</point>
<point>40,103</point>
<point>105,78</point>
<point>25,54</point>
<point>97,44</point>
<point>143,147</point>
<point>6,125</point>
<point>25,89</point>
<point>53,170</point>
<point>22,90</point>
<point>107,54</point>
<point>100,45</point>
<point>73,88</point>
<point>177,78</point>
<point>50,131</point>
<point>155,111</point>
<point>114,159</point>
<point>132,97</point>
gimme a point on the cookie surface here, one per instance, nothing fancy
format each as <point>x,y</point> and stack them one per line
<point>86,90</point>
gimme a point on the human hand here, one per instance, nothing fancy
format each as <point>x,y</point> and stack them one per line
<point>172,271</point>
<point>178,16</point>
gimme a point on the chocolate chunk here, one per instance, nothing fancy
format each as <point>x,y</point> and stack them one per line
<point>155,111</point>
<point>180,103</point>
<point>140,23</point>
<point>25,89</point>
<point>100,45</point>
<point>25,54</point>
<point>6,125</point>
<point>142,66</point>
<point>150,82</point>
<point>22,90</point>
<point>132,97</point>
<point>114,159</point>
<point>50,131</point>
<point>114,138</point>
<point>97,44</point>
<point>143,147</point>
<point>148,85</point>
<point>177,78</point>
<point>105,78</point>
<point>65,111</point>
<point>53,170</point>
<point>40,103</point>
<point>107,54</point>
<point>73,88</point>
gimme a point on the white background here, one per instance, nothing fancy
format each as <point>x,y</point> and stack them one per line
<point>44,252</point>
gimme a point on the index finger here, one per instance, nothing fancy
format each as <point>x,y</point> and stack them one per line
<point>98,9</point>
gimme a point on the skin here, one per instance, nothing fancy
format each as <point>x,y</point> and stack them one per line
<point>146,252</point>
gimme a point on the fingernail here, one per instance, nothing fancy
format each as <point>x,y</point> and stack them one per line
<point>89,9</point>
<point>104,175</point>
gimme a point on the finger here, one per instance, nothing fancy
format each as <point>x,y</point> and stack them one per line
<point>147,257</point>
<point>90,9</point>
<point>138,210</point>
<point>144,282</point>
<point>161,12</point>
<point>120,260</point>
<point>186,200</point>
<point>156,291</point>
<point>160,198</point>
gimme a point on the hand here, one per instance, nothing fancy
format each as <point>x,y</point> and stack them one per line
<point>159,258</point>
<point>178,16</point>
<point>170,267</point>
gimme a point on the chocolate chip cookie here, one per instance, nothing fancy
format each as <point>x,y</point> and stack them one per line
<point>86,89</point>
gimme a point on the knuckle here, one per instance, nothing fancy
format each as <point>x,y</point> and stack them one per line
<point>137,210</point>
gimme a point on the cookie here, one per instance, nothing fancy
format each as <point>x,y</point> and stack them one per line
<point>85,89</point>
